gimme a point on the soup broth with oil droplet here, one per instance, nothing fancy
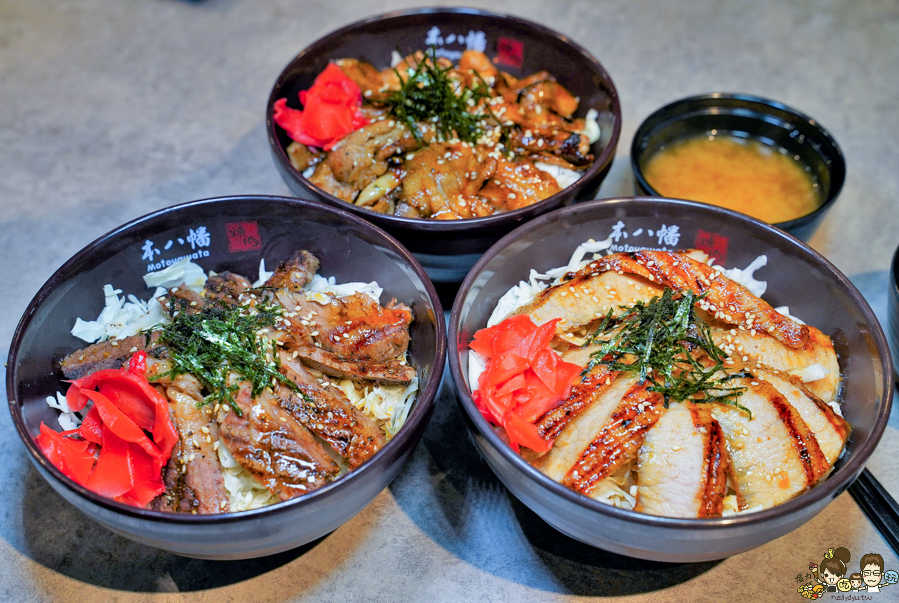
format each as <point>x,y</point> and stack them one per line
<point>739,174</point>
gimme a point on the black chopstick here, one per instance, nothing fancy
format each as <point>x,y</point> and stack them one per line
<point>878,505</point>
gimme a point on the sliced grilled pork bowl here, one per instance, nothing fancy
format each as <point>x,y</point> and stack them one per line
<point>447,248</point>
<point>701,474</point>
<point>300,432</point>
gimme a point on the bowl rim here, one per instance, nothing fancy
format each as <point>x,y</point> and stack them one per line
<point>837,168</point>
<point>600,163</point>
<point>831,487</point>
<point>419,414</point>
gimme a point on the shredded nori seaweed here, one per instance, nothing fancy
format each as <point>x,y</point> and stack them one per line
<point>655,340</point>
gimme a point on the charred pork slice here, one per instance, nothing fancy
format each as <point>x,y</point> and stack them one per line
<point>193,478</point>
<point>830,429</point>
<point>599,402</point>
<point>763,349</point>
<point>182,299</point>
<point>269,443</point>
<point>108,354</point>
<point>588,297</point>
<point>583,394</point>
<point>725,298</point>
<point>683,465</point>
<point>329,415</point>
<point>355,327</point>
<point>350,337</point>
<point>774,455</point>
<point>619,440</point>
<point>294,272</point>
<point>226,287</point>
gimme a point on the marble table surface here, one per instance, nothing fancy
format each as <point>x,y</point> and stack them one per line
<point>111,109</point>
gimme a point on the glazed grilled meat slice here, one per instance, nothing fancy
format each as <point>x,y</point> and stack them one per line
<point>516,184</point>
<point>108,354</point>
<point>618,441</point>
<point>581,429</point>
<point>360,157</point>
<point>727,300</point>
<point>442,182</point>
<point>328,414</point>
<point>182,299</point>
<point>193,477</point>
<point>269,443</point>
<point>226,287</point>
<point>350,337</point>
<point>588,297</point>
<point>830,429</point>
<point>355,327</point>
<point>294,272</point>
<point>683,465</point>
<point>764,350</point>
<point>583,394</point>
<point>774,456</point>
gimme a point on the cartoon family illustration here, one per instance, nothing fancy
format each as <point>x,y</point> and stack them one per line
<point>830,575</point>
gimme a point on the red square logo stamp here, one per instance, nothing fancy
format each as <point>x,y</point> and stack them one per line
<point>510,52</point>
<point>243,236</point>
<point>713,244</point>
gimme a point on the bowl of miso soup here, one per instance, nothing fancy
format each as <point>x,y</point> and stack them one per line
<point>745,153</point>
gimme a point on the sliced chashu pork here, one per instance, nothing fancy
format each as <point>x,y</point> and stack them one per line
<point>578,429</point>
<point>774,456</point>
<point>830,429</point>
<point>193,477</point>
<point>726,299</point>
<point>108,354</point>
<point>349,338</point>
<point>682,465</point>
<point>274,447</point>
<point>763,349</point>
<point>588,297</point>
<point>328,414</point>
<point>618,441</point>
<point>294,272</point>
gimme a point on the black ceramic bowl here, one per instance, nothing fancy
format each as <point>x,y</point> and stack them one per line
<point>797,276</point>
<point>448,248</point>
<point>893,312</point>
<point>752,117</point>
<point>241,231</point>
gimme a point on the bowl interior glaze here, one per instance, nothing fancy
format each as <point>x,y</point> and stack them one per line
<point>797,277</point>
<point>744,116</point>
<point>448,248</point>
<point>234,234</point>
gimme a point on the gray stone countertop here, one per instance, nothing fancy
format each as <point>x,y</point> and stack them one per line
<point>110,110</point>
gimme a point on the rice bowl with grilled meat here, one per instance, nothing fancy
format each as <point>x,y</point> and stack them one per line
<point>274,388</point>
<point>690,396</point>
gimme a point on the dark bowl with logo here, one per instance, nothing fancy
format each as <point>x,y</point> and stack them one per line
<point>797,277</point>
<point>448,248</point>
<point>229,233</point>
<point>747,117</point>
<point>893,312</point>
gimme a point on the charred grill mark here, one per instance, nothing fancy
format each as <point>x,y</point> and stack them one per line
<point>275,447</point>
<point>725,296</point>
<point>716,464</point>
<point>554,421</point>
<point>329,415</point>
<point>619,440</point>
<point>839,424</point>
<point>813,461</point>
